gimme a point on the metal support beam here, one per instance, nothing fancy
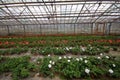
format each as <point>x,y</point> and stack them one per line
<point>10,14</point>
<point>60,1</point>
<point>30,11</point>
<point>41,4</point>
<point>103,13</point>
<point>80,12</point>
<point>56,16</point>
<point>24,30</point>
<point>109,28</point>
<point>92,28</point>
<point>8,29</point>
<point>40,30</point>
<point>68,13</point>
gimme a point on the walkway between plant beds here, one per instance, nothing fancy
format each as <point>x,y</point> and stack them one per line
<point>8,76</point>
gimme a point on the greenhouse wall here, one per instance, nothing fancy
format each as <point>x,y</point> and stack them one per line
<point>47,29</point>
<point>115,28</point>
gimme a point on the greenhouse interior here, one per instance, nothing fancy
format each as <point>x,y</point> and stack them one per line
<point>59,40</point>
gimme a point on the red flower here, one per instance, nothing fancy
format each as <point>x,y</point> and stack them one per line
<point>118,40</point>
<point>110,41</point>
<point>6,42</point>
<point>26,42</point>
<point>0,43</point>
<point>12,43</point>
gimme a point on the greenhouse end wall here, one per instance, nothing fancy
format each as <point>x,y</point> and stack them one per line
<point>95,28</point>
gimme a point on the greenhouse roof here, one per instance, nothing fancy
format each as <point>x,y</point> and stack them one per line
<point>24,12</point>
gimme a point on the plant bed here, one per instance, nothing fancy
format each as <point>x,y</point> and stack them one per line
<point>20,67</point>
<point>59,41</point>
<point>80,68</point>
<point>12,51</point>
<point>88,50</point>
<point>66,67</point>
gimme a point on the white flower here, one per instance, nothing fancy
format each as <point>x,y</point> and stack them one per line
<point>65,57</point>
<point>70,47</point>
<point>77,59</point>
<point>83,49</point>
<point>114,65</point>
<point>89,45</point>
<point>101,54</point>
<point>98,49</point>
<point>67,48</point>
<point>91,48</point>
<point>87,71</point>
<point>48,55</point>
<point>107,57</point>
<point>53,62</point>
<point>111,71</point>
<point>99,57</point>
<point>50,61</point>
<point>69,57</point>
<point>56,48</point>
<point>81,59</point>
<point>68,60</point>
<point>85,61</point>
<point>60,57</point>
<point>49,65</point>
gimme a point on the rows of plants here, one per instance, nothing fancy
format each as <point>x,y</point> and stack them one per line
<point>77,50</point>
<point>11,51</point>
<point>55,38</point>
<point>80,67</point>
<point>59,41</point>
<point>19,67</point>
<point>66,67</point>
<point>88,50</point>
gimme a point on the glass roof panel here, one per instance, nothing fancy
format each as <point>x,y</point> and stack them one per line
<point>26,11</point>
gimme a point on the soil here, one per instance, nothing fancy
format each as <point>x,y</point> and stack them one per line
<point>8,76</point>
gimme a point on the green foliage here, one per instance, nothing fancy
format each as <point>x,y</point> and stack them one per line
<point>20,72</point>
<point>75,68</point>
<point>76,50</point>
<point>24,73</point>
<point>69,68</point>
<point>44,69</point>
<point>31,67</point>
<point>20,67</point>
<point>13,51</point>
<point>58,51</point>
<point>58,41</point>
<point>89,50</point>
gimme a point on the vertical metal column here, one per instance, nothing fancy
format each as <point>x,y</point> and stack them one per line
<point>96,29</point>
<point>40,30</point>
<point>74,28</point>
<point>109,27</point>
<point>92,28</point>
<point>103,28</point>
<point>8,30</point>
<point>24,30</point>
